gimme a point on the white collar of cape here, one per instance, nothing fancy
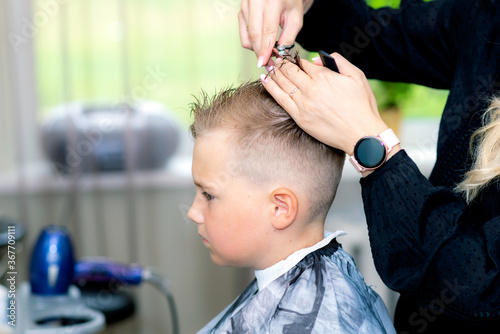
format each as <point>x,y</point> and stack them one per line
<point>266,276</point>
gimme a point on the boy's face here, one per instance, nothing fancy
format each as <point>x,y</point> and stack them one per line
<point>233,216</point>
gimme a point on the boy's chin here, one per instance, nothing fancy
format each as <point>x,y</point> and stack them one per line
<point>218,261</point>
<point>224,263</point>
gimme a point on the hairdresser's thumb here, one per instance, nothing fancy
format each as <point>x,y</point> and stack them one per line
<point>345,67</point>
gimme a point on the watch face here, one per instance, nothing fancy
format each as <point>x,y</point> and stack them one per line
<point>369,152</point>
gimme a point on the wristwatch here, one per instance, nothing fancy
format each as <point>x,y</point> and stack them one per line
<point>371,152</point>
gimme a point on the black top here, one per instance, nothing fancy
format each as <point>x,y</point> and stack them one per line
<point>426,242</point>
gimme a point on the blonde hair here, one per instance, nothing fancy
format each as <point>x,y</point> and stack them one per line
<point>485,149</point>
<point>269,145</point>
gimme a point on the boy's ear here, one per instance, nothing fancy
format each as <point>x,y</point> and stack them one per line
<point>285,208</point>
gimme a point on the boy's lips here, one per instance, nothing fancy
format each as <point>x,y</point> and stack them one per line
<point>205,241</point>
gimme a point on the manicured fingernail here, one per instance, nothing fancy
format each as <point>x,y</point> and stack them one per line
<point>260,62</point>
<point>315,58</point>
<point>279,60</point>
<point>270,69</point>
<point>263,78</point>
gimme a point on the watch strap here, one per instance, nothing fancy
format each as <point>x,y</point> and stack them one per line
<point>356,165</point>
<point>389,138</point>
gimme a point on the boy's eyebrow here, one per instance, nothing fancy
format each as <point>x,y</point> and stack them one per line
<point>201,184</point>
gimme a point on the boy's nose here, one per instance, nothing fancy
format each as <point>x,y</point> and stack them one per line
<point>195,214</point>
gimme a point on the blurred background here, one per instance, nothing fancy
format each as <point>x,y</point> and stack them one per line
<point>94,115</point>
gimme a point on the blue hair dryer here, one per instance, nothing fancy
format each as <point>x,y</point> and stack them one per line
<point>49,303</point>
<point>53,269</point>
<point>52,262</point>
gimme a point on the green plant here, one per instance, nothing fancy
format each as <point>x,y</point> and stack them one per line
<point>391,94</point>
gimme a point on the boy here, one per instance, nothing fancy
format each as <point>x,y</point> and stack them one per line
<point>263,190</point>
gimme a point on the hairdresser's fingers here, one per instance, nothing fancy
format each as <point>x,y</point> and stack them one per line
<point>319,73</point>
<point>348,69</point>
<point>335,108</point>
<point>255,22</point>
<point>270,65</point>
<point>345,67</point>
<point>260,22</point>
<point>284,99</point>
<point>303,108</point>
<point>245,41</point>
<point>291,20</point>
<point>293,73</point>
<point>350,78</point>
<point>248,30</point>
<point>270,29</point>
<point>244,11</point>
<point>284,83</point>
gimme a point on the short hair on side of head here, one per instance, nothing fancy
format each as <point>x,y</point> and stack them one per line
<point>269,145</point>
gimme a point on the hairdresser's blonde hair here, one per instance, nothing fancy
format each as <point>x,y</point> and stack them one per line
<point>269,145</point>
<point>485,149</point>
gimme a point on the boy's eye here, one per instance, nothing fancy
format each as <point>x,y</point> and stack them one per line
<point>207,196</point>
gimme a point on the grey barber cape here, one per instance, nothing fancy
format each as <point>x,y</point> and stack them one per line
<point>315,290</point>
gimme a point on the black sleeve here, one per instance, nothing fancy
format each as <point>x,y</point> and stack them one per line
<point>425,240</point>
<point>415,43</point>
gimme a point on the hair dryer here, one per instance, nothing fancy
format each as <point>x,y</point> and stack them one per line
<point>53,269</point>
<point>48,304</point>
<point>52,262</point>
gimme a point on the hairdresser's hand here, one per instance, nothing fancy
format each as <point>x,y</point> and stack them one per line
<point>259,22</point>
<point>337,109</point>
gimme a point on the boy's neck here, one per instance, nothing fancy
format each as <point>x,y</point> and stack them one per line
<point>267,275</point>
<point>288,241</point>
